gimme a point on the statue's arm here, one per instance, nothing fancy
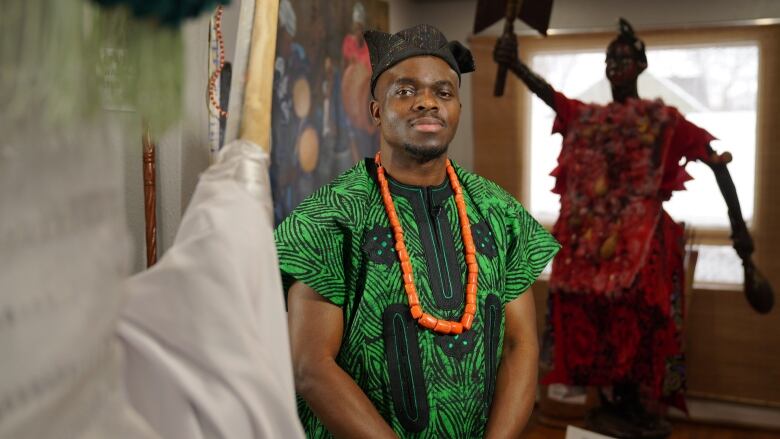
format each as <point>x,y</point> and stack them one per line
<point>740,236</point>
<point>505,53</point>
<point>758,291</point>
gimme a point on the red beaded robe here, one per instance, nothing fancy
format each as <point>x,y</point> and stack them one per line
<point>616,291</point>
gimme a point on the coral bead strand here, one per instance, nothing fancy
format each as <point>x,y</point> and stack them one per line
<point>424,319</point>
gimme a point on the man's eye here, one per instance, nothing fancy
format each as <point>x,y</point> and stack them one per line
<point>445,93</point>
<point>405,92</point>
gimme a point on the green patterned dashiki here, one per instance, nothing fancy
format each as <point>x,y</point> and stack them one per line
<point>339,242</point>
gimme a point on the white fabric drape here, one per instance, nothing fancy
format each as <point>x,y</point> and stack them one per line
<point>64,252</point>
<point>205,332</point>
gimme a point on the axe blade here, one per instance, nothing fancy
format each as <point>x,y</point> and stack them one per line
<point>534,13</point>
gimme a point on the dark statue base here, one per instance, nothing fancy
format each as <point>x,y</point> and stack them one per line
<point>625,417</point>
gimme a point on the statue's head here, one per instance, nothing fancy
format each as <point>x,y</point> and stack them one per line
<point>626,57</point>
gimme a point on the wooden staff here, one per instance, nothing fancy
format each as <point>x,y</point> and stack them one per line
<point>256,117</point>
<point>512,8</point>
<point>534,13</point>
<point>150,197</point>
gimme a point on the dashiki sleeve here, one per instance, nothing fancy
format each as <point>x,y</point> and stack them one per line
<point>530,249</point>
<point>309,244</point>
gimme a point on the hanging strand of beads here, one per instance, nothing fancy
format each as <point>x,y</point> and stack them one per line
<point>218,72</point>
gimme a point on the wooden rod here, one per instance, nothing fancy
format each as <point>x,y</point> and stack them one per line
<point>150,197</point>
<point>256,115</point>
<point>512,9</point>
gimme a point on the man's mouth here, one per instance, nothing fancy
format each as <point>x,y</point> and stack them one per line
<point>428,124</point>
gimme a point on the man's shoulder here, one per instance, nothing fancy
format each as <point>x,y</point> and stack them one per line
<point>343,194</point>
<point>485,191</point>
<point>354,182</point>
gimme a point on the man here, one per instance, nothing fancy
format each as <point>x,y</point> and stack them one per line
<point>617,285</point>
<point>394,331</point>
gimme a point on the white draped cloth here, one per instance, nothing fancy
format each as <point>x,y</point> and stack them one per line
<point>206,345</point>
<point>64,252</point>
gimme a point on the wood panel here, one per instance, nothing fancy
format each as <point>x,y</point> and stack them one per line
<point>682,430</point>
<point>733,353</point>
<point>497,123</point>
<point>766,225</point>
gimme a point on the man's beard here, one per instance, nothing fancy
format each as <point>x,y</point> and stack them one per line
<point>423,154</point>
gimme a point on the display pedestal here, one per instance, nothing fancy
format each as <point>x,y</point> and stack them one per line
<point>559,410</point>
<point>624,416</point>
<point>616,423</point>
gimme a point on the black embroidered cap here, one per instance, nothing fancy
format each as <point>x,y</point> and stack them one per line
<point>387,50</point>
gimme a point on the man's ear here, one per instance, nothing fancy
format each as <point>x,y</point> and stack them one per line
<point>373,107</point>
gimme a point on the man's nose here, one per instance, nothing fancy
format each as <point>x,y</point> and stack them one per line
<point>426,100</point>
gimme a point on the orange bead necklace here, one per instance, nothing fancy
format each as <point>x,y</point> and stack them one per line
<point>424,319</point>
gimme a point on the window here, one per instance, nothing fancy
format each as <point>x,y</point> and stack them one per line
<point>714,86</point>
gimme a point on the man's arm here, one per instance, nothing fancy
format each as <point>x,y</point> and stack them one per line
<point>316,327</point>
<point>516,381</point>
<point>505,53</point>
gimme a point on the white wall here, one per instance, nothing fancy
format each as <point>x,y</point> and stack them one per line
<point>456,19</point>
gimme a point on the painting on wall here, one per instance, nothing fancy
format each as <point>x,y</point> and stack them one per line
<point>320,122</point>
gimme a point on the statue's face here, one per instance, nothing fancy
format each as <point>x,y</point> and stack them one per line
<point>417,106</point>
<point>622,65</point>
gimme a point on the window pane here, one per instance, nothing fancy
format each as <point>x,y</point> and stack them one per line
<point>714,87</point>
<point>718,264</point>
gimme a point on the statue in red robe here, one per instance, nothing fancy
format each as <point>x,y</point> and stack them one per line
<point>616,290</point>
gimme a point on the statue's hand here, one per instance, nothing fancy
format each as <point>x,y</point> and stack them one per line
<point>758,291</point>
<point>743,242</point>
<point>719,159</point>
<point>505,52</point>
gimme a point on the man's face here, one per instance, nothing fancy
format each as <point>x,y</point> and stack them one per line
<point>417,106</point>
<point>622,66</point>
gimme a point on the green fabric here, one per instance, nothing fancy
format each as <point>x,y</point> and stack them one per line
<point>66,61</point>
<point>323,243</point>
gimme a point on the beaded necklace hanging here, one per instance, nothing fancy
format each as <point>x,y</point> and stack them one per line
<point>424,319</point>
